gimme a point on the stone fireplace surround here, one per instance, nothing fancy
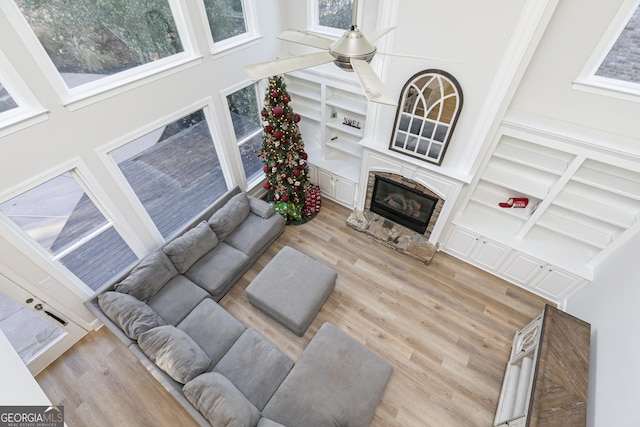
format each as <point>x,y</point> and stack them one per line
<point>420,246</point>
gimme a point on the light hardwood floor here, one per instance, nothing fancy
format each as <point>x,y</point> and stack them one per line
<point>446,329</point>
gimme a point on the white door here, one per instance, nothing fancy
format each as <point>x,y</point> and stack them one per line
<point>38,331</point>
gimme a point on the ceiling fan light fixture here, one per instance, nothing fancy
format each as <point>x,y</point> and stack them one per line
<point>352,45</point>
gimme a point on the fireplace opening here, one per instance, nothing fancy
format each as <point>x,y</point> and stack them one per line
<point>401,204</point>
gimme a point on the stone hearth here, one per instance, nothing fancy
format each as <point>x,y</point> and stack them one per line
<point>393,235</point>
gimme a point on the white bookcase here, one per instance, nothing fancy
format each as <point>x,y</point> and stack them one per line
<point>582,206</point>
<point>333,118</point>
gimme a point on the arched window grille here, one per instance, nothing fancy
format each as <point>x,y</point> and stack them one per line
<point>428,110</point>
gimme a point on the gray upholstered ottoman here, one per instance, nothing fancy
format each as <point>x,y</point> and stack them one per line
<point>291,289</point>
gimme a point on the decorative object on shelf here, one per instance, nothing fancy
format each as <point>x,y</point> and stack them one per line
<point>351,122</point>
<point>428,111</point>
<point>285,161</point>
<point>515,202</point>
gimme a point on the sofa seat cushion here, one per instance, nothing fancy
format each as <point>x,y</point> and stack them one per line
<point>213,328</point>
<point>229,216</point>
<point>221,403</point>
<point>255,233</point>
<point>148,277</point>
<point>336,382</point>
<point>129,313</point>
<point>214,270</point>
<point>185,250</point>
<point>255,366</point>
<point>177,298</point>
<point>174,352</point>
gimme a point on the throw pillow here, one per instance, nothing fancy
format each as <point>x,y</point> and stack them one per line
<point>220,401</point>
<point>148,277</point>
<point>185,250</point>
<point>129,313</point>
<point>174,352</point>
<point>261,208</point>
<point>232,214</point>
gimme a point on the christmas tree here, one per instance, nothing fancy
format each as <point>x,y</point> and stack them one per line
<point>285,161</point>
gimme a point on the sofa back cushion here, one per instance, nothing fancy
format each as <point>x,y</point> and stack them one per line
<point>174,352</point>
<point>185,250</point>
<point>148,277</point>
<point>129,313</point>
<point>232,214</point>
<point>221,403</point>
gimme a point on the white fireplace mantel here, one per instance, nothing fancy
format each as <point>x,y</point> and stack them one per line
<point>447,188</point>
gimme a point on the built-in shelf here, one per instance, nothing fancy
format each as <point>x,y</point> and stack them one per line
<point>520,180</point>
<point>326,105</point>
<point>581,208</point>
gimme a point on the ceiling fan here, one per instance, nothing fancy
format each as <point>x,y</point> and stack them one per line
<point>352,52</point>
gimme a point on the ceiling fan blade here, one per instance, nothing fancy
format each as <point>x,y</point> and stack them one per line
<point>305,38</point>
<point>406,55</point>
<point>284,65</point>
<point>379,33</point>
<point>371,84</point>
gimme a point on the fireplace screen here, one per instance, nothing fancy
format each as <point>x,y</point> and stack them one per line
<point>401,204</point>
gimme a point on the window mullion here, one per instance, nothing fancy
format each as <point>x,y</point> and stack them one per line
<point>82,241</point>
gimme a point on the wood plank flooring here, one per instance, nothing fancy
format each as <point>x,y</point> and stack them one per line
<point>446,328</point>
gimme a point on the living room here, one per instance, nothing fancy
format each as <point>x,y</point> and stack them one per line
<point>520,69</point>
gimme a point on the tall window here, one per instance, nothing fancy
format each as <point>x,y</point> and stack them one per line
<point>89,39</point>
<point>6,101</point>
<point>335,13</point>
<point>174,171</point>
<point>226,18</point>
<point>623,60</point>
<point>243,106</point>
<point>62,218</point>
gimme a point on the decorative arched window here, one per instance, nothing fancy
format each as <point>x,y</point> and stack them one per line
<point>428,110</point>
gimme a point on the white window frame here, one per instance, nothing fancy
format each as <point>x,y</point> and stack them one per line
<point>116,173</point>
<point>29,111</point>
<point>26,244</point>
<point>109,86</point>
<point>588,81</point>
<point>232,44</point>
<point>259,88</point>
<point>313,20</point>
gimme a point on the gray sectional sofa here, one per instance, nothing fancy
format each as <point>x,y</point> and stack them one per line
<point>223,373</point>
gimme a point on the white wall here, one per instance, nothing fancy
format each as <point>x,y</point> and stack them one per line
<point>609,303</point>
<point>465,38</point>
<point>546,89</point>
<point>75,137</point>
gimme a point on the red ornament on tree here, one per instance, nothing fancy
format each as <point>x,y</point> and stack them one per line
<point>274,93</point>
<point>278,111</point>
<point>285,198</point>
<point>297,118</point>
<point>268,129</point>
<point>266,169</point>
<point>304,155</point>
<point>266,185</point>
<point>277,134</point>
<point>285,100</point>
<point>296,172</point>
